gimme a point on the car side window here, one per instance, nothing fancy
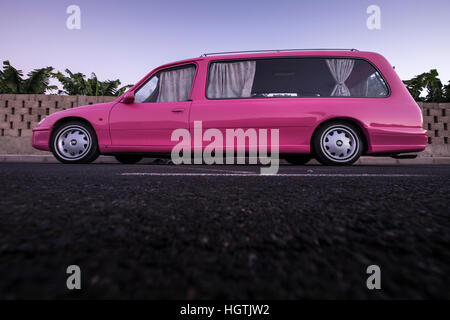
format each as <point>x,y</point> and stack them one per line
<point>170,85</point>
<point>146,93</point>
<point>294,78</point>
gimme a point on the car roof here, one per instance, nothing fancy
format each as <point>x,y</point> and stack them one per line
<point>276,53</point>
<point>293,53</point>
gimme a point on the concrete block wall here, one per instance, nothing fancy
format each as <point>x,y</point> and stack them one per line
<point>436,119</point>
<point>20,113</point>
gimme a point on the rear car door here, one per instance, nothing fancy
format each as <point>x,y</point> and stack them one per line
<point>256,94</point>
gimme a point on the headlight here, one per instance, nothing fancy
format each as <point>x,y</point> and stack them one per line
<point>40,122</point>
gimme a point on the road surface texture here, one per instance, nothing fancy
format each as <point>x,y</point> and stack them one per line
<point>199,232</point>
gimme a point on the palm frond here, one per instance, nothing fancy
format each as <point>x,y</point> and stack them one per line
<point>38,80</point>
<point>12,78</point>
<point>122,90</point>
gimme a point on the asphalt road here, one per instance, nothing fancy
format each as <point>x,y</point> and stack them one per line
<point>161,231</point>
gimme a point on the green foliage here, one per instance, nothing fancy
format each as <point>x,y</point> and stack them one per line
<point>433,86</point>
<point>430,82</point>
<point>446,94</point>
<point>37,82</point>
<point>74,84</point>
<point>77,84</point>
<point>12,81</point>
<point>415,87</point>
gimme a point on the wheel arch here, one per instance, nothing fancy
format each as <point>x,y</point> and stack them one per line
<point>64,120</point>
<point>90,155</point>
<point>362,130</point>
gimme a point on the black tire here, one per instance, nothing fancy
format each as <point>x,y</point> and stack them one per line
<point>298,159</point>
<point>74,142</point>
<point>128,158</point>
<point>338,143</point>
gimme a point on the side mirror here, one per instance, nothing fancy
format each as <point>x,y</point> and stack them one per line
<point>127,98</point>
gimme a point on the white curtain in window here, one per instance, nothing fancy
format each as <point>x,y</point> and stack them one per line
<point>231,79</point>
<point>175,85</point>
<point>341,70</point>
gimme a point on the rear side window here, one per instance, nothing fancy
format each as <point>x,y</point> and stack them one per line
<point>294,77</point>
<point>170,85</point>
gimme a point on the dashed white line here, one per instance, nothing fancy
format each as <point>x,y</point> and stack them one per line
<point>217,170</point>
<point>199,174</point>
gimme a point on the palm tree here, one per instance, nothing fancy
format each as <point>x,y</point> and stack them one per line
<point>38,81</point>
<point>74,84</point>
<point>122,90</point>
<point>77,84</point>
<point>415,87</point>
<point>430,82</point>
<point>446,93</point>
<point>11,80</point>
<point>433,85</point>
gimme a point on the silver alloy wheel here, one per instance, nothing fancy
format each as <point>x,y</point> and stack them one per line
<point>73,143</point>
<point>339,143</point>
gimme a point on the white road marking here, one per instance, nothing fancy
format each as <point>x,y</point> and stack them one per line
<point>199,174</point>
<point>217,170</point>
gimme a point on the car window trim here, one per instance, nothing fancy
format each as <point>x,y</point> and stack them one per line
<point>294,57</point>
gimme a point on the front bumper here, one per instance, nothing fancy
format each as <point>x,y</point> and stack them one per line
<point>41,139</point>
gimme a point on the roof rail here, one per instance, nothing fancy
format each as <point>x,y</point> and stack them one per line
<point>274,50</point>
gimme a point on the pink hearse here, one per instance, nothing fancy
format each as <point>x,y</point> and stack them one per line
<point>333,105</point>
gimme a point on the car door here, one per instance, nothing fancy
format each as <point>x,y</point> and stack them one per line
<point>245,94</point>
<point>161,106</point>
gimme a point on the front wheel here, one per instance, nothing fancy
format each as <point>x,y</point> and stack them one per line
<point>74,142</point>
<point>128,158</point>
<point>338,143</point>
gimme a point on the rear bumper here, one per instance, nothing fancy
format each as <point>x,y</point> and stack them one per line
<point>397,140</point>
<point>41,139</point>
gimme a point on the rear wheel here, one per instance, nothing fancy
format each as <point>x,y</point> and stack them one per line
<point>128,158</point>
<point>297,159</point>
<point>74,142</point>
<point>338,143</point>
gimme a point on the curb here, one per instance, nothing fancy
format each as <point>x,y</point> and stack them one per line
<point>44,158</point>
<point>392,161</point>
<point>362,161</point>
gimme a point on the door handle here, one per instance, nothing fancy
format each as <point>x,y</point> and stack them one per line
<point>178,110</point>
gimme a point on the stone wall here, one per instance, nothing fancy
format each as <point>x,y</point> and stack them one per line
<point>436,119</point>
<point>19,114</point>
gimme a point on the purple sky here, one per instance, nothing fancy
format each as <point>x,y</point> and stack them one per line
<point>126,39</point>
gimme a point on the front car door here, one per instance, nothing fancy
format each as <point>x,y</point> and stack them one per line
<point>161,105</point>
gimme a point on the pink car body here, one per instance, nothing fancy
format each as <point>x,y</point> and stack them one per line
<point>391,124</point>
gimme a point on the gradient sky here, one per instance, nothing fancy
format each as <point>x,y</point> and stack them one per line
<point>126,39</point>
